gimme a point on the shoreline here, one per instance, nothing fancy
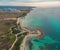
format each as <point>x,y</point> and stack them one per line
<point>23,45</point>
<point>31,33</point>
<point>34,33</point>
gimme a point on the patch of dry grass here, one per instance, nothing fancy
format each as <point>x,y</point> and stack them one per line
<point>5,26</point>
<point>6,38</point>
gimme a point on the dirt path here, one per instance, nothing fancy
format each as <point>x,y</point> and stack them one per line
<point>16,40</point>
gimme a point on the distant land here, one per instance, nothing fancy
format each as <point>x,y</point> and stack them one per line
<point>16,7</point>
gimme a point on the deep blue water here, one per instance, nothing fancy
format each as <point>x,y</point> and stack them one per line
<point>47,20</point>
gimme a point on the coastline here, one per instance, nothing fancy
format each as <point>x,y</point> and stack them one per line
<point>23,45</point>
<point>34,33</point>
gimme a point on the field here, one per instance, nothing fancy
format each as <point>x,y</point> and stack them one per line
<point>6,38</point>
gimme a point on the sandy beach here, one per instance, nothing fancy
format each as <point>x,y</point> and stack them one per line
<point>34,33</point>
<point>30,34</point>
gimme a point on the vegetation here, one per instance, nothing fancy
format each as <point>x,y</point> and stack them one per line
<point>20,39</point>
<point>23,14</point>
<point>6,38</point>
<point>11,38</point>
<point>15,29</point>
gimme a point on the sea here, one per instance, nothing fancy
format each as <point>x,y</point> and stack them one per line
<point>47,19</point>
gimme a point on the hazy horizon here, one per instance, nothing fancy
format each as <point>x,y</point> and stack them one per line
<point>41,3</point>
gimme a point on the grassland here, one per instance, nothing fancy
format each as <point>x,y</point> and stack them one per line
<point>6,38</point>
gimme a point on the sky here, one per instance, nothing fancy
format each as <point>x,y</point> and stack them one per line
<point>26,0</point>
<point>29,2</point>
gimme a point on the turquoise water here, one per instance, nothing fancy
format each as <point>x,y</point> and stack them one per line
<point>47,43</point>
<point>47,20</point>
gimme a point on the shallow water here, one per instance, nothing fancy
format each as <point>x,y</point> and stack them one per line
<point>48,20</point>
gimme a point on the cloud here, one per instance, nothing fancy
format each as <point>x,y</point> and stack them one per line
<point>8,0</point>
<point>26,0</point>
<point>44,4</point>
<point>38,4</point>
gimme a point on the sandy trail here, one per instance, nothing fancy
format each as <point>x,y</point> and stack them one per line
<point>16,40</point>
